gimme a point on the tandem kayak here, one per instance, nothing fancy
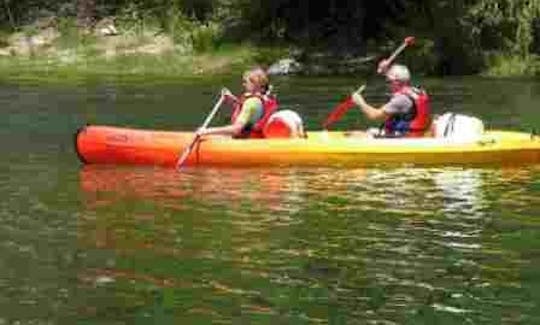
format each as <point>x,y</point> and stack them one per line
<point>127,146</point>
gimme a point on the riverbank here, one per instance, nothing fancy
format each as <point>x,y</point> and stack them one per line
<point>73,68</point>
<point>56,49</point>
<point>59,52</point>
<point>173,66</point>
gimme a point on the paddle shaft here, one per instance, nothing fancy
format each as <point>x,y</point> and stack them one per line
<point>348,103</point>
<point>189,148</point>
<point>408,41</point>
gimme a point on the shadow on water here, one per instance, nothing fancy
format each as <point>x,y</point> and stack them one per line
<point>310,245</point>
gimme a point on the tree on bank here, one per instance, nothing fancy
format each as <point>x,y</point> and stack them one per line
<point>86,11</point>
<point>460,36</point>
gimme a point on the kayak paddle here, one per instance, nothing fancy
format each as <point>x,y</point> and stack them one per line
<point>409,40</point>
<point>348,103</point>
<point>340,109</point>
<point>189,148</point>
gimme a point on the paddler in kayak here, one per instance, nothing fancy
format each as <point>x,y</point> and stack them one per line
<point>255,113</point>
<point>406,114</point>
<point>250,111</point>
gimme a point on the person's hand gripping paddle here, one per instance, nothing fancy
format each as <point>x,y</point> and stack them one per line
<point>185,154</point>
<point>348,102</point>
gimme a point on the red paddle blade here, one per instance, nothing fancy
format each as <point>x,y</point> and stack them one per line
<point>338,112</point>
<point>409,40</point>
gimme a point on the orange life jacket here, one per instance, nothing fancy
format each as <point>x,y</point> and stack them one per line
<point>255,130</point>
<point>415,123</point>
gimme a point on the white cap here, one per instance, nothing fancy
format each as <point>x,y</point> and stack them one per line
<point>398,72</point>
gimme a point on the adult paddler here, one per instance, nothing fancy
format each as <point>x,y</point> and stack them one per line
<point>407,113</point>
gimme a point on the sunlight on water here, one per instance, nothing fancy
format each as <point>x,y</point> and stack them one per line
<point>391,245</point>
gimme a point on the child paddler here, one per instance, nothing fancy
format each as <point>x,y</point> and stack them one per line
<point>251,110</point>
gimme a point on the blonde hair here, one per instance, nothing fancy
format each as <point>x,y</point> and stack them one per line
<point>257,76</point>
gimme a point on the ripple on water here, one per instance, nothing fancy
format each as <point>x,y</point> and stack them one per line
<point>384,245</point>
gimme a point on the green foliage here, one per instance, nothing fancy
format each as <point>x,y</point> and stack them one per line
<point>30,30</point>
<point>180,27</point>
<point>269,55</point>
<point>458,37</point>
<point>513,66</point>
<point>4,39</point>
<point>424,57</point>
<point>171,66</point>
<point>508,24</point>
<point>131,19</point>
<point>188,33</point>
<point>73,42</point>
<point>69,33</point>
<point>206,37</point>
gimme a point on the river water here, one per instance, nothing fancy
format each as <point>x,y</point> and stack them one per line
<point>114,245</point>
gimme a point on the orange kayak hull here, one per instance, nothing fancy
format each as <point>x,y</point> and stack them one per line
<point>126,146</point>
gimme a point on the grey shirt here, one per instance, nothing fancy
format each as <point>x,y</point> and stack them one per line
<point>399,104</point>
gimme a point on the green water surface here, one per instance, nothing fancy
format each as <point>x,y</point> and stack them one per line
<point>131,245</point>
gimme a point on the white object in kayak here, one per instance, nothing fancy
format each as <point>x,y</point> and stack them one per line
<point>458,127</point>
<point>284,124</point>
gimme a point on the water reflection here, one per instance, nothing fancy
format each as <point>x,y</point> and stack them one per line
<point>462,191</point>
<point>269,189</point>
<point>400,245</point>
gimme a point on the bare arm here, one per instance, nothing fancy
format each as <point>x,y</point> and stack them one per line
<point>249,107</point>
<point>374,113</point>
<point>371,112</point>
<point>232,129</point>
